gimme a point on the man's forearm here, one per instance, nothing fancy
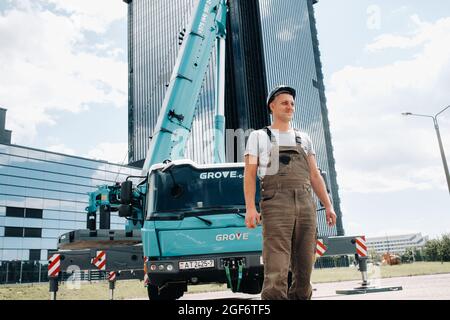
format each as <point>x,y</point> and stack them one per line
<point>249,192</point>
<point>320,190</point>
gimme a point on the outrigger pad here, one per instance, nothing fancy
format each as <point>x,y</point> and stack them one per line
<point>100,239</point>
<point>364,290</point>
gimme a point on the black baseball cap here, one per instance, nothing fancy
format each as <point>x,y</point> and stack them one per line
<point>279,90</point>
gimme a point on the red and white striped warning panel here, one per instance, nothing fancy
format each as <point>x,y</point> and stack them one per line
<point>54,265</point>
<point>100,260</point>
<point>361,248</point>
<point>146,278</point>
<point>321,248</point>
<point>112,276</point>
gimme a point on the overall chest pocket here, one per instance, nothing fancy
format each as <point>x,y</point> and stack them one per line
<point>287,160</point>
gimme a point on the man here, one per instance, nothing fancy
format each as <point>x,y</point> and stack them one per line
<point>284,159</point>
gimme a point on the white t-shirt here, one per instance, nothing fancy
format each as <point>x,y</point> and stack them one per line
<point>259,145</point>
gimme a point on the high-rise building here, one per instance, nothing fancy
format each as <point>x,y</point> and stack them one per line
<point>269,42</point>
<point>153,46</point>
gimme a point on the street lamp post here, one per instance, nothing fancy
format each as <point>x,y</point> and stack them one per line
<point>441,147</point>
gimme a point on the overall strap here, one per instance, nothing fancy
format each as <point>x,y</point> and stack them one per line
<point>298,137</point>
<point>298,141</point>
<point>269,133</point>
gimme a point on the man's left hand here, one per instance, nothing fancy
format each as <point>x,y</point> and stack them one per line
<point>330,216</point>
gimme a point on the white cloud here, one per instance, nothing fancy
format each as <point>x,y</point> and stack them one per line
<point>425,32</point>
<point>43,70</point>
<point>61,148</point>
<point>400,10</point>
<point>92,15</point>
<point>111,152</point>
<point>378,150</point>
<point>392,179</point>
<point>353,227</point>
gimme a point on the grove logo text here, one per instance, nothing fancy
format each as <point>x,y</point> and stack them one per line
<point>232,237</point>
<point>220,175</point>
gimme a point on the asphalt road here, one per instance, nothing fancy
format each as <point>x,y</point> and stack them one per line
<point>431,287</point>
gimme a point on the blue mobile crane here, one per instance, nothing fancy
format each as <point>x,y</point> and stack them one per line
<point>185,222</point>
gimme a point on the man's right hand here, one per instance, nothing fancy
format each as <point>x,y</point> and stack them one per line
<point>252,218</point>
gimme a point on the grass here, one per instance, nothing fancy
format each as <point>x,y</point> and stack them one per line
<point>128,289</point>
<point>403,270</point>
<point>134,289</point>
<point>87,291</point>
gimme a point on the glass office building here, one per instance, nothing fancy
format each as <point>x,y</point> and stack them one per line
<point>153,46</point>
<point>44,194</point>
<point>269,42</point>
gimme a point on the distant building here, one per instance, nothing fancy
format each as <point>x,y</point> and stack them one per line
<point>396,244</point>
<point>5,135</point>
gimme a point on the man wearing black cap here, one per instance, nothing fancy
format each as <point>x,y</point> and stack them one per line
<point>284,159</point>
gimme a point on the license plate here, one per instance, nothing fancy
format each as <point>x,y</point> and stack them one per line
<point>200,264</point>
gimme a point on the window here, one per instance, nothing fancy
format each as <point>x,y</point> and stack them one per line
<point>33,213</point>
<point>13,232</point>
<point>15,212</point>
<point>35,254</point>
<point>33,233</point>
<point>22,212</point>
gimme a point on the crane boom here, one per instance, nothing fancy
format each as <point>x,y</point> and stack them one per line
<point>178,109</point>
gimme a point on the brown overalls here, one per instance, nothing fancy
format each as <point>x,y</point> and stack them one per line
<point>289,226</point>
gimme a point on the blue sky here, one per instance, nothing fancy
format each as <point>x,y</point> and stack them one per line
<point>64,75</point>
<point>63,80</point>
<point>381,58</point>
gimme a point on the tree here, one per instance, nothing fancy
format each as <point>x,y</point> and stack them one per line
<point>431,250</point>
<point>438,249</point>
<point>444,248</point>
<point>418,254</point>
<point>408,256</point>
<point>374,255</point>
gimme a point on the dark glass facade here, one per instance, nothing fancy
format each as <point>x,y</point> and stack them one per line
<point>44,194</point>
<point>246,87</point>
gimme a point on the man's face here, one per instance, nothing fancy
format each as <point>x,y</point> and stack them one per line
<point>283,107</point>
